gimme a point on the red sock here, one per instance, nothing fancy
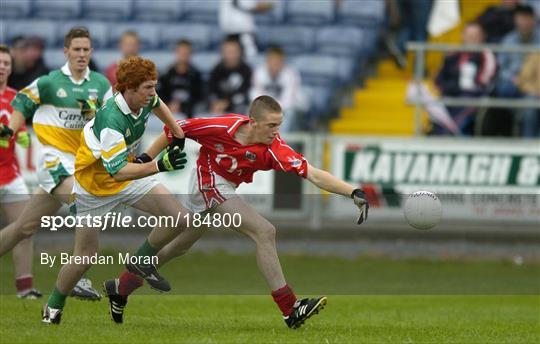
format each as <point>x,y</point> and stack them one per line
<point>23,283</point>
<point>285,299</point>
<point>128,282</point>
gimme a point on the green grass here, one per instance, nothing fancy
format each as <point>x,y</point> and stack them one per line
<point>455,302</point>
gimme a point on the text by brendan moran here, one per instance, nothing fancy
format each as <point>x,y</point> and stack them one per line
<point>95,259</point>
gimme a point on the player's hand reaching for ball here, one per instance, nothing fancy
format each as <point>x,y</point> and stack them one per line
<point>359,198</point>
<point>174,159</point>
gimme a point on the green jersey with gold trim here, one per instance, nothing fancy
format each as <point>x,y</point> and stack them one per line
<point>108,143</point>
<point>54,100</point>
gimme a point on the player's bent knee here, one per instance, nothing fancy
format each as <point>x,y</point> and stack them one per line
<point>266,234</point>
<point>27,228</point>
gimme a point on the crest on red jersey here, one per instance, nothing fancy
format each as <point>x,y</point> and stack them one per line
<point>251,156</point>
<point>295,162</point>
<point>219,147</point>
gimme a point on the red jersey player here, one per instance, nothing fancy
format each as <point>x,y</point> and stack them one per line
<point>233,148</point>
<point>13,191</point>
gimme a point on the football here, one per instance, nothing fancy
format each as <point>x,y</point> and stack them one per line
<point>423,210</point>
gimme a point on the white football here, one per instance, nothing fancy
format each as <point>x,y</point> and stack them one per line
<point>423,210</point>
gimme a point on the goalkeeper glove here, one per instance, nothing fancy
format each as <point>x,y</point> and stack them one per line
<point>23,139</point>
<point>5,135</point>
<point>359,198</point>
<point>88,108</point>
<point>172,160</point>
<point>143,158</point>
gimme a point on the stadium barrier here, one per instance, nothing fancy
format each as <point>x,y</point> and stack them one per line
<point>420,49</point>
<point>479,181</point>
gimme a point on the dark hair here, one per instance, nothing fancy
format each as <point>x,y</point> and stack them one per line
<point>263,105</point>
<point>476,23</point>
<point>275,49</point>
<point>76,32</point>
<point>183,41</point>
<point>524,10</point>
<point>4,49</point>
<point>232,39</point>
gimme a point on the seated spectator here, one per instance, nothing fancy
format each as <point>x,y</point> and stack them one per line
<point>28,61</point>
<point>181,86</point>
<point>529,83</point>
<point>498,20</point>
<point>282,82</point>
<point>526,32</point>
<point>230,80</point>
<point>236,20</point>
<point>129,45</point>
<point>466,74</point>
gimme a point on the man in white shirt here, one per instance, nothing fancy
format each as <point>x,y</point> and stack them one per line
<point>236,20</point>
<point>282,82</point>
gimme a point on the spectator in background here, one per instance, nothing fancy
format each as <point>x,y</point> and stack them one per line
<point>282,82</point>
<point>181,86</point>
<point>529,83</point>
<point>236,21</point>
<point>28,61</point>
<point>129,45</point>
<point>414,16</point>
<point>466,74</point>
<point>230,80</point>
<point>498,20</point>
<point>526,32</point>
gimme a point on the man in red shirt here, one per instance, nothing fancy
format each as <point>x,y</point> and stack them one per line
<point>13,191</point>
<point>233,148</point>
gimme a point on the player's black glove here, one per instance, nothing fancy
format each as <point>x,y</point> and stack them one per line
<point>176,142</point>
<point>5,135</point>
<point>172,160</point>
<point>143,158</point>
<point>359,198</point>
<point>5,131</point>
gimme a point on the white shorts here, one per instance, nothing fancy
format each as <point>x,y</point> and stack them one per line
<point>207,190</point>
<point>14,191</point>
<point>87,204</point>
<point>54,166</point>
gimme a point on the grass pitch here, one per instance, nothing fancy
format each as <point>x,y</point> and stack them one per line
<point>461,303</point>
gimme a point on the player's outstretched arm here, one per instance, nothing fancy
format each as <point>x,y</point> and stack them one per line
<point>153,151</point>
<point>166,116</point>
<point>172,160</point>
<point>132,171</point>
<point>326,181</point>
<point>330,183</point>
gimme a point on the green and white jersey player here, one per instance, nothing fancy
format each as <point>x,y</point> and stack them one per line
<point>106,176</point>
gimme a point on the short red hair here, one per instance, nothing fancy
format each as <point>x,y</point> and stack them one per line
<point>133,71</point>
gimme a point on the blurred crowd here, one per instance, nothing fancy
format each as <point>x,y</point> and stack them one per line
<point>502,75</point>
<point>234,82</point>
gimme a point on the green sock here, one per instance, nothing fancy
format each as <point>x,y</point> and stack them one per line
<point>57,299</point>
<point>145,250</point>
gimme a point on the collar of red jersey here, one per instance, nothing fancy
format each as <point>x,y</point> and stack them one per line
<point>66,71</point>
<point>124,107</point>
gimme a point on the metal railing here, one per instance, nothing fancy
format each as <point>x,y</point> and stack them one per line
<point>420,50</point>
